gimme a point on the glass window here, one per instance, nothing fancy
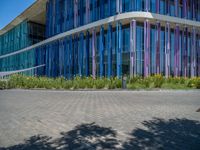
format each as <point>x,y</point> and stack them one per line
<point>162,51</point>
<point>125,50</point>
<point>172,53</point>
<point>153,6</point>
<point>139,50</point>
<point>153,50</point>
<point>162,7</point>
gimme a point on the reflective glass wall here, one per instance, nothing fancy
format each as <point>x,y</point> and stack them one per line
<point>64,15</point>
<point>106,52</point>
<point>21,36</point>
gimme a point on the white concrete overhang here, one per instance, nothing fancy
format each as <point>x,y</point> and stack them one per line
<point>124,18</point>
<point>35,13</point>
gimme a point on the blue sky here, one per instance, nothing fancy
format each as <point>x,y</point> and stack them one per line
<point>9,9</point>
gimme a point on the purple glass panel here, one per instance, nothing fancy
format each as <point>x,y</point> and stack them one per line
<point>157,6</point>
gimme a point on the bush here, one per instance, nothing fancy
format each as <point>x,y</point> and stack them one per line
<point>111,83</point>
<point>67,84</point>
<point>191,83</point>
<point>146,81</point>
<point>89,82</point>
<point>16,81</point>
<point>173,86</point>
<point>134,79</point>
<point>158,81</point>
<point>3,85</point>
<point>99,83</point>
<point>118,83</point>
<point>198,83</point>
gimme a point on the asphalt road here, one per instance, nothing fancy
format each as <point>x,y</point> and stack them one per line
<point>40,119</point>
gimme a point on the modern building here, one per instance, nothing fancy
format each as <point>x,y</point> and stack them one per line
<point>104,38</point>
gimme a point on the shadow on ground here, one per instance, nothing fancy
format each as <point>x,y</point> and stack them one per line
<point>158,133</point>
<point>179,134</point>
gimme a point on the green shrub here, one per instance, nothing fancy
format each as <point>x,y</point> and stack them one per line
<point>198,83</point>
<point>131,86</point>
<point>158,81</point>
<point>118,83</point>
<point>99,83</point>
<point>16,81</point>
<point>68,84</point>
<point>134,79</point>
<point>111,83</point>
<point>89,81</point>
<point>3,85</point>
<point>191,83</point>
<point>173,86</point>
<point>29,82</point>
<point>146,81</point>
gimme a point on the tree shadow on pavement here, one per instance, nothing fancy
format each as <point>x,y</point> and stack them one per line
<point>179,134</point>
<point>157,134</point>
<point>89,136</point>
<point>82,137</point>
<point>37,142</point>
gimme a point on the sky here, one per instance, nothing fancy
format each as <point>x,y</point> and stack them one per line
<point>9,9</point>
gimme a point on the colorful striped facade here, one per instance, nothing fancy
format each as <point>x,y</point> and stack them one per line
<point>106,38</point>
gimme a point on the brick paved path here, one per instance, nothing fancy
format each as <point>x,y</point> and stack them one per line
<point>154,119</point>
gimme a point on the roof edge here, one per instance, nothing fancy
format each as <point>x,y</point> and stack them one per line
<point>34,9</point>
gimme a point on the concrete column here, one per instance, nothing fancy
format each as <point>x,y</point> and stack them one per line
<point>93,53</point>
<point>185,51</point>
<point>158,28</point>
<point>176,52</point>
<point>87,63</point>
<point>109,48</point>
<point>65,57</point>
<point>80,54</point>
<point>101,44</point>
<point>119,49</point>
<point>119,6</point>
<point>71,57</point>
<point>198,56</point>
<point>146,48</point>
<point>167,50</point>
<point>132,48</point>
<point>47,61</point>
<point>193,53</point>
